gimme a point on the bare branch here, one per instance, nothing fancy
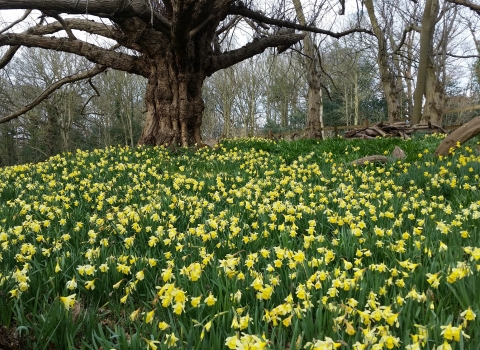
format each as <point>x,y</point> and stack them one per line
<point>195,30</point>
<point>52,88</point>
<point>243,11</point>
<point>8,56</point>
<point>97,94</point>
<point>228,25</point>
<point>317,50</point>
<point>112,59</point>
<point>342,8</point>
<point>25,15</point>
<point>462,56</point>
<point>63,23</point>
<point>92,27</point>
<point>229,58</point>
<point>407,30</point>
<point>468,4</point>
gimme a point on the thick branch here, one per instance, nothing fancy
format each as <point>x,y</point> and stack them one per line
<point>52,88</point>
<point>228,25</point>
<point>112,59</point>
<point>462,56</point>
<point>244,11</point>
<point>79,24</point>
<point>7,57</point>
<point>64,25</point>
<point>107,31</point>
<point>407,30</point>
<point>112,9</point>
<point>468,4</point>
<point>227,59</point>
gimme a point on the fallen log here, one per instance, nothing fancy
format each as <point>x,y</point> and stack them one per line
<point>397,153</point>
<point>462,134</point>
<point>378,130</point>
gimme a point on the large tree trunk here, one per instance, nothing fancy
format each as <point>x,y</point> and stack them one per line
<point>426,51</point>
<point>387,74</point>
<point>314,124</point>
<point>174,106</point>
<point>407,68</point>
<point>434,98</point>
<point>315,114</point>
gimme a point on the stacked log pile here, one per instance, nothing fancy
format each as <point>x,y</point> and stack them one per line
<point>399,129</point>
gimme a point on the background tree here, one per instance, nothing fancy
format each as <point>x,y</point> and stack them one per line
<point>285,94</point>
<point>314,123</point>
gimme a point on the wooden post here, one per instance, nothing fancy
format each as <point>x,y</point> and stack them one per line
<point>335,131</point>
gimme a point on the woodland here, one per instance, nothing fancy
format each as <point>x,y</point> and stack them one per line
<point>89,74</point>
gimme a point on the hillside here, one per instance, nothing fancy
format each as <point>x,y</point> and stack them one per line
<point>250,244</point>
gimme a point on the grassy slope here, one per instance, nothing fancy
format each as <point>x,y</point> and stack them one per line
<point>239,184</point>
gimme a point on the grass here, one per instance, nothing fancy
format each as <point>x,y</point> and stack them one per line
<point>252,244</point>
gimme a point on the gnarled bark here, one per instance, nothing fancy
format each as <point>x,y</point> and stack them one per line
<point>174,105</point>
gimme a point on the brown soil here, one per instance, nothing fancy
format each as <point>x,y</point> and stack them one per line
<point>9,339</point>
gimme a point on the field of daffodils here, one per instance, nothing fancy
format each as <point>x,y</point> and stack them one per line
<point>252,244</point>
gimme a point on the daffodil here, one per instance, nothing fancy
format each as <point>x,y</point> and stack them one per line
<point>163,325</point>
<point>134,314</point>
<point>433,279</point>
<point>287,321</point>
<point>196,301</point>
<point>468,314</point>
<point>445,346</point>
<point>210,300</point>
<point>171,340</point>
<point>90,284</point>
<point>452,333</point>
<point>57,268</point>
<point>233,342</point>
<point>327,344</point>
<point>72,284</point>
<point>68,301</point>
<point>151,344</point>
<point>140,275</point>
<point>149,316</point>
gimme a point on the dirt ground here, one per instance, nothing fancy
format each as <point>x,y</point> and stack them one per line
<point>9,339</point>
